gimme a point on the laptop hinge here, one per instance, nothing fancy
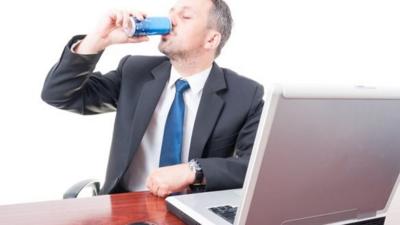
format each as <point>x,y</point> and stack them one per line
<point>366,215</point>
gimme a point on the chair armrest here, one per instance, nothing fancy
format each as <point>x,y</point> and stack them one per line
<point>75,189</point>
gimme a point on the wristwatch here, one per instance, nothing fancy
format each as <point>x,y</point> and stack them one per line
<point>195,167</point>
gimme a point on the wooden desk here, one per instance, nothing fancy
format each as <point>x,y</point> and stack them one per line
<point>120,209</point>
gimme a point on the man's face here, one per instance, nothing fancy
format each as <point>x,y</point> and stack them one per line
<point>189,28</point>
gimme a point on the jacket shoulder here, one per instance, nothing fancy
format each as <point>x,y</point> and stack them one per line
<point>236,80</point>
<point>141,63</point>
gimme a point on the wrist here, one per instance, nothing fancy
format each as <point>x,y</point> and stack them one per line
<point>197,171</point>
<point>198,183</point>
<point>191,176</point>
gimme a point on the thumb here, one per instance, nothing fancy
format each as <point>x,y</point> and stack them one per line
<point>138,39</point>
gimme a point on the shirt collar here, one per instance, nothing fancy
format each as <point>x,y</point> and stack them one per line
<point>196,81</point>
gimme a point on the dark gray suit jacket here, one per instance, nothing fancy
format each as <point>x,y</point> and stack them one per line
<point>224,129</point>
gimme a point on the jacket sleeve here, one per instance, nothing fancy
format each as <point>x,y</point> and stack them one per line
<point>229,173</point>
<point>72,85</point>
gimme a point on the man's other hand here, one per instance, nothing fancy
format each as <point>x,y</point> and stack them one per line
<point>170,179</point>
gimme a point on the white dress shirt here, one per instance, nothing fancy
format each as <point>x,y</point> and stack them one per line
<point>147,157</point>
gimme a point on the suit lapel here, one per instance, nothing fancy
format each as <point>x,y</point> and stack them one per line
<point>147,103</point>
<point>210,107</point>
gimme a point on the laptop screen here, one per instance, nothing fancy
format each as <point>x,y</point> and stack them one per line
<point>324,155</point>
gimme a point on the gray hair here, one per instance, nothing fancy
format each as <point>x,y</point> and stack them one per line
<point>220,18</point>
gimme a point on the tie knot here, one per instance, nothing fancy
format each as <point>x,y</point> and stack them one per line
<point>181,86</point>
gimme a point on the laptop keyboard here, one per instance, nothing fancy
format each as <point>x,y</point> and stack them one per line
<point>227,212</point>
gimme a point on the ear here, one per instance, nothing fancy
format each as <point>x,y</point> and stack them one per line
<point>213,39</point>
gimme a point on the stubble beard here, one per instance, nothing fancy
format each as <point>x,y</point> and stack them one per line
<point>170,52</point>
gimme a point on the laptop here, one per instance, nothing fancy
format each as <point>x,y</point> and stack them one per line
<point>322,155</point>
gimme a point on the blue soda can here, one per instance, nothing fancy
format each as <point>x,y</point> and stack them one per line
<point>150,26</point>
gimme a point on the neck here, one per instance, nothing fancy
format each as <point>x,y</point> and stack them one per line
<point>190,66</point>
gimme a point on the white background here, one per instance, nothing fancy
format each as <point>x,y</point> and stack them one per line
<point>44,150</point>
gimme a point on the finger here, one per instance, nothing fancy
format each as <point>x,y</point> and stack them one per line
<point>154,187</point>
<point>161,192</point>
<point>151,185</point>
<point>148,186</point>
<point>148,183</point>
<point>138,39</point>
<point>141,15</point>
<point>154,190</point>
<point>137,14</point>
<point>112,14</point>
<point>119,18</point>
<point>126,20</point>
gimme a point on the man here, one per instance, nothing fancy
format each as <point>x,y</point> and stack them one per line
<point>181,121</point>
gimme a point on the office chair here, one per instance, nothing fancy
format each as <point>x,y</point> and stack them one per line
<point>75,189</point>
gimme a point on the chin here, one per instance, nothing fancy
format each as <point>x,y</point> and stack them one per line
<point>163,50</point>
<point>161,47</point>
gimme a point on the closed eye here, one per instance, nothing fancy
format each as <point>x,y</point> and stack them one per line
<point>186,16</point>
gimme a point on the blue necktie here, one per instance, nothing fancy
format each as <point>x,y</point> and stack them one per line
<point>173,131</point>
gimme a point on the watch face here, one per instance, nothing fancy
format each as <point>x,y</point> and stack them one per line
<point>194,166</point>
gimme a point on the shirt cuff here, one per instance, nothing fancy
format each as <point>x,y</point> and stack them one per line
<point>74,45</point>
